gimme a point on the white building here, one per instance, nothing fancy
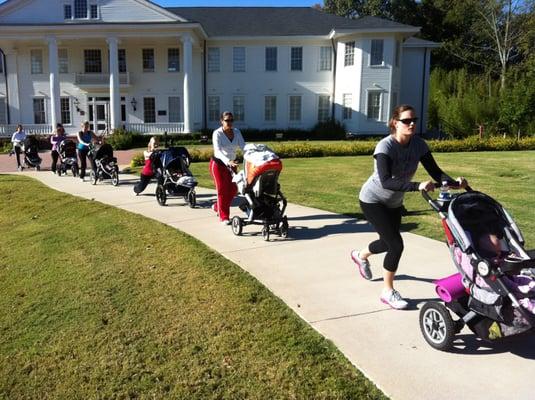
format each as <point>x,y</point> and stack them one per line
<point>150,69</point>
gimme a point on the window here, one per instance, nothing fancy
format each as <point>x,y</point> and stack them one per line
<point>296,59</point>
<point>93,11</point>
<point>67,11</point>
<point>213,108</point>
<point>238,59</point>
<point>349,54</point>
<point>173,60</point>
<point>39,111</point>
<point>326,58</point>
<point>271,58</point>
<point>347,106</point>
<point>148,60</point>
<point>376,54</point>
<point>36,61</point>
<point>123,112</point>
<point>238,108</point>
<point>121,55</point>
<point>63,61</point>
<point>270,108</point>
<point>92,61</point>
<point>174,109</point>
<point>3,111</point>
<point>213,59</point>
<point>323,108</point>
<point>149,110</point>
<point>374,105</point>
<point>295,108</point>
<point>398,52</point>
<point>80,8</point>
<point>65,109</point>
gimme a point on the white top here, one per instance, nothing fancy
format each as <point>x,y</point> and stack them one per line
<point>18,138</point>
<point>224,149</point>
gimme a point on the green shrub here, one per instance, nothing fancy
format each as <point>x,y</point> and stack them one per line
<point>121,139</point>
<point>138,160</point>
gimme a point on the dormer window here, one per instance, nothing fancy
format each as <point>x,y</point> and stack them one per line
<point>80,8</point>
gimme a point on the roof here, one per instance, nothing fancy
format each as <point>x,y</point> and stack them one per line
<point>417,42</point>
<point>277,21</point>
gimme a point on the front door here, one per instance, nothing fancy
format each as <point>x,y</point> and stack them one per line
<point>99,112</point>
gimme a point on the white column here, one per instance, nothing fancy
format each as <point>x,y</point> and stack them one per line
<point>15,115</point>
<point>53,69</point>
<point>187,50</point>
<point>115,95</point>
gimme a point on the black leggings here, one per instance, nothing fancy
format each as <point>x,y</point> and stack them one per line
<point>18,152</point>
<point>83,154</point>
<point>54,154</point>
<point>387,222</point>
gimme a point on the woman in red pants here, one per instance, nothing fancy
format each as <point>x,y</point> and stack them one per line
<point>226,140</point>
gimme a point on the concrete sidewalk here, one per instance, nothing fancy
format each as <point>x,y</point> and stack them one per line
<point>311,272</point>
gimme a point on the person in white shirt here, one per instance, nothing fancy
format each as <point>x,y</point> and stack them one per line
<point>18,139</point>
<point>226,140</point>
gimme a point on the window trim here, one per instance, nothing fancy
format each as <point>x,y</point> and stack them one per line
<point>177,60</point>
<point>42,62</point>
<point>119,61</point>
<point>382,65</point>
<point>218,107</point>
<point>213,48</point>
<point>69,99</point>
<point>180,116</point>
<point>101,61</point>
<point>236,113</point>
<point>349,56</point>
<point>266,59</point>
<point>66,50</point>
<point>328,108</point>
<point>347,111</point>
<point>368,93</point>
<point>330,60</point>
<point>234,65</point>
<point>145,110</point>
<point>295,121</point>
<point>147,70</point>
<point>302,59</point>
<point>45,114</point>
<point>274,120</point>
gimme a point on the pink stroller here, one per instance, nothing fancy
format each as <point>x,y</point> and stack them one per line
<point>493,292</point>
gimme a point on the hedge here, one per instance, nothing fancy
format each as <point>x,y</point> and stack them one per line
<point>358,148</point>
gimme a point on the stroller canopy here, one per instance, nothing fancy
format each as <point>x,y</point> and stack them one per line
<point>104,150</point>
<point>30,141</point>
<point>173,155</point>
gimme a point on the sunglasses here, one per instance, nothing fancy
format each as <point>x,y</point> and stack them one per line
<point>229,120</point>
<point>408,121</point>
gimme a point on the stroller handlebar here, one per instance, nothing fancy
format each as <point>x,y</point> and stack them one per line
<point>433,202</point>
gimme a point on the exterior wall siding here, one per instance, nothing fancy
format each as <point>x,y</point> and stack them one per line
<point>51,11</point>
<point>413,79</point>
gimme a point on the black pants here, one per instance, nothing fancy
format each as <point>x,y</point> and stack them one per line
<point>18,152</point>
<point>387,222</point>
<point>54,154</point>
<point>142,184</point>
<point>83,154</point>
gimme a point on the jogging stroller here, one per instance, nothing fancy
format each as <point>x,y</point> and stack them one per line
<point>67,157</point>
<point>31,153</point>
<point>174,176</point>
<point>264,203</point>
<point>493,292</point>
<point>105,164</point>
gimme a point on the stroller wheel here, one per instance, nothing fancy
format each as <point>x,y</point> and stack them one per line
<point>38,168</point>
<point>161,196</point>
<point>265,233</point>
<point>284,228</point>
<point>94,177</point>
<point>192,198</point>
<point>437,326</point>
<point>237,225</point>
<point>115,178</point>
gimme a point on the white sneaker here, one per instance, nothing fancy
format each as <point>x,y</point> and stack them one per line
<point>363,265</point>
<point>393,299</point>
<point>225,222</point>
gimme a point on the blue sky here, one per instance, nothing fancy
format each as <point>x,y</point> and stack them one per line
<point>243,3</point>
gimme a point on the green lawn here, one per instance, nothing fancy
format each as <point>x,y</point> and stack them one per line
<point>332,183</point>
<point>98,303</point>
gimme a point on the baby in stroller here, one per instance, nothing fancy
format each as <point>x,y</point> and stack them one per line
<point>67,157</point>
<point>497,299</point>
<point>174,176</point>
<point>105,164</point>
<point>264,203</point>
<point>31,153</point>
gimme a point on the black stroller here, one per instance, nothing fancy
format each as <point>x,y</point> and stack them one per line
<point>67,157</point>
<point>493,292</point>
<point>31,153</point>
<point>174,176</point>
<point>105,164</point>
<point>258,182</point>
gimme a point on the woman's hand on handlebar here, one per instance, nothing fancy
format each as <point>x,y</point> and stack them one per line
<point>427,186</point>
<point>233,164</point>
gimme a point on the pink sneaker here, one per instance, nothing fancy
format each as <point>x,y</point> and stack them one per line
<point>393,299</point>
<point>214,208</point>
<point>364,265</point>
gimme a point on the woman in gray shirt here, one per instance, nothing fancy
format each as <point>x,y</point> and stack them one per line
<point>381,198</point>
